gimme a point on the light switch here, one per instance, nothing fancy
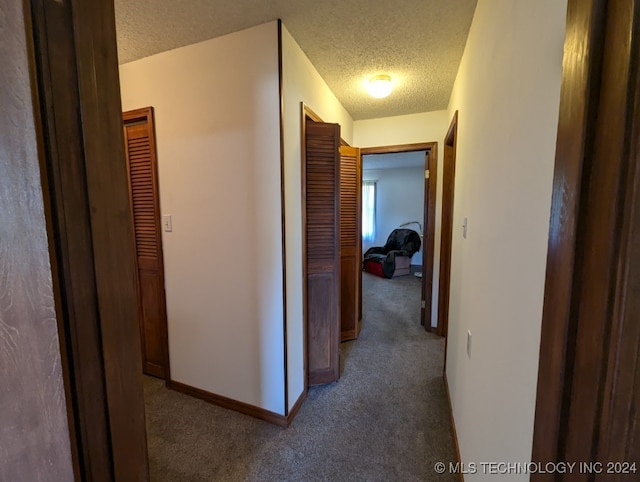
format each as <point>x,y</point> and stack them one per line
<point>166,223</point>
<point>464,228</point>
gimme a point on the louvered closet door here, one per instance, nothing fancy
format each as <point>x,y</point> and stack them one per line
<point>141,161</point>
<point>350,242</point>
<point>322,212</point>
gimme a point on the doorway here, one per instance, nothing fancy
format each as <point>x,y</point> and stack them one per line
<point>328,286</point>
<point>426,224</point>
<point>393,214</point>
<point>448,184</point>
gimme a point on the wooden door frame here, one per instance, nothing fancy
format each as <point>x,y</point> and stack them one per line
<point>429,210</point>
<point>593,218</point>
<point>446,227</point>
<point>446,232</point>
<point>92,252</point>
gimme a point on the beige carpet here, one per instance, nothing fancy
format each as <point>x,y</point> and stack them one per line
<point>385,420</point>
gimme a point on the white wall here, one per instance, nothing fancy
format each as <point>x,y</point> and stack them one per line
<point>399,199</point>
<point>402,129</point>
<point>507,94</point>
<point>411,129</point>
<point>217,124</point>
<point>301,83</point>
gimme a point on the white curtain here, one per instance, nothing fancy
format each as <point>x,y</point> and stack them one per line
<point>368,211</point>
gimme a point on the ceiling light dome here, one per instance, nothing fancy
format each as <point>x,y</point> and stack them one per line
<point>379,86</point>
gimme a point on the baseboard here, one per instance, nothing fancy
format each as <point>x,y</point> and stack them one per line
<point>453,425</point>
<point>348,335</point>
<point>296,407</point>
<point>236,406</point>
<point>228,403</point>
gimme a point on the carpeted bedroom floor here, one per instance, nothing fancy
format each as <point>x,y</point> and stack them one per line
<point>386,419</point>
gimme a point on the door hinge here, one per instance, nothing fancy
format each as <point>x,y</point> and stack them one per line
<point>426,173</point>
<point>424,304</point>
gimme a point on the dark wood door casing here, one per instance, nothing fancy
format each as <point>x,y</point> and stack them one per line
<point>350,243</point>
<point>429,234</point>
<point>34,434</point>
<point>321,213</point>
<point>448,186</point>
<point>91,235</point>
<point>139,133</point>
<point>588,396</point>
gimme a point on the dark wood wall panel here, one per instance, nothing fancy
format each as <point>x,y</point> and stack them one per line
<point>34,433</point>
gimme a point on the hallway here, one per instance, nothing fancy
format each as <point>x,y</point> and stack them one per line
<point>386,419</point>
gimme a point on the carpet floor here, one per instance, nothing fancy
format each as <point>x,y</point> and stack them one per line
<point>385,419</point>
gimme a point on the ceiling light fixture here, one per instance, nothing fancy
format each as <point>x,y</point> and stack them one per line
<point>379,86</point>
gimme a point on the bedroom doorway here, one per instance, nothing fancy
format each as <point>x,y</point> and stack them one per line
<point>425,226</point>
<point>333,282</point>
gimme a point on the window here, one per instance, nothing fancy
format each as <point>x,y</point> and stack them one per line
<point>368,210</point>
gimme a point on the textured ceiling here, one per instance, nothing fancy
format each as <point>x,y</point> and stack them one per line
<point>418,42</point>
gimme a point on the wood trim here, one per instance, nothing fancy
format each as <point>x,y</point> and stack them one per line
<point>578,99</point>
<point>237,406</point>
<point>349,335</point>
<point>38,402</point>
<point>430,223</point>
<point>446,230</point>
<point>316,118</point>
<point>283,218</point>
<point>452,130</point>
<point>453,425</point>
<point>588,387</point>
<point>420,146</point>
<point>93,244</point>
<point>296,408</point>
<point>618,425</point>
<point>70,246</point>
<point>306,111</point>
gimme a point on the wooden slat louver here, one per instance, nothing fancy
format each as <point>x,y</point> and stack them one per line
<point>321,202</point>
<point>321,217</point>
<point>350,242</point>
<point>348,200</point>
<point>142,190</point>
<point>143,183</point>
